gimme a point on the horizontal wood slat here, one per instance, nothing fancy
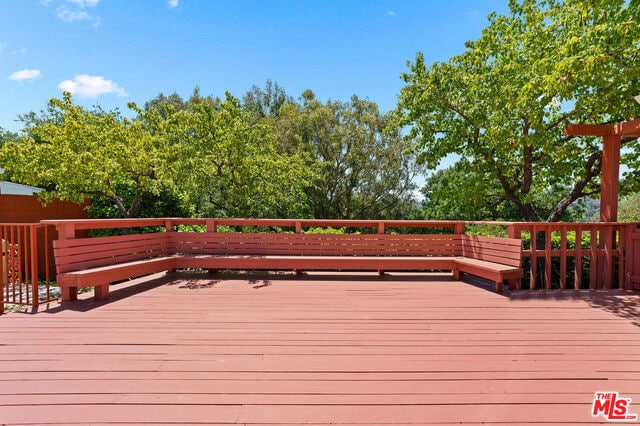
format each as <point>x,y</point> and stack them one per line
<point>506,251</point>
<point>82,253</point>
<point>310,244</point>
<point>99,261</point>
<point>317,263</point>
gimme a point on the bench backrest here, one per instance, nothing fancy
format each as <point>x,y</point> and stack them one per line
<point>218,243</point>
<point>507,251</point>
<point>81,253</point>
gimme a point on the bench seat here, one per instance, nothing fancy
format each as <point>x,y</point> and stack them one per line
<point>100,277</point>
<point>318,263</point>
<point>496,272</point>
<point>97,262</point>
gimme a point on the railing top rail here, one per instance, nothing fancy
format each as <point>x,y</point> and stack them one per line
<point>121,223</point>
<point>502,223</point>
<point>106,223</point>
<point>36,224</point>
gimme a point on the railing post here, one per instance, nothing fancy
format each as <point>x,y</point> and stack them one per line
<point>577,272</point>
<point>33,249</point>
<point>212,226</point>
<point>381,232</point>
<point>67,231</point>
<point>533,259</point>
<point>593,264</point>
<point>3,267</point>
<point>623,239</point>
<point>563,257</point>
<point>547,258</point>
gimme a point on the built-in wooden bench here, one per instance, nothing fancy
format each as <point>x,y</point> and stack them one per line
<point>496,259</point>
<point>99,261</point>
<point>96,262</point>
<point>346,252</point>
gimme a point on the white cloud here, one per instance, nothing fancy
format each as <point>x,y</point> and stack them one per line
<point>91,86</point>
<point>25,74</point>
<point>173,3</point>
<point>84,3</point>
<point>73,15</point>
<point>75,11</point>
<point>391,13</point>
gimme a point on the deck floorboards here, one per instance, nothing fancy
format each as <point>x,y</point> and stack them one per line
<point>342,349</point>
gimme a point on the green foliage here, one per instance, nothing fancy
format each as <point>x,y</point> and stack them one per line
<point>76,154</point>
<point>328,231</point>
<point>7,136</point>
<point>629,209</point>
<point>457,193</point>
<point>263,103</point>
<point>487,230</point>
<point>365,169</point>
<point>502,104</point>
<point>223,164</point>
<point>163,204</point>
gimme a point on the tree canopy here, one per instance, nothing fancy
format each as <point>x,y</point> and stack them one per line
<point>84,153</point>
<point>201,156</point>
<point>225,164</point>
<point>7,136</point>
<point>502,104</point>
<point>365,169</point>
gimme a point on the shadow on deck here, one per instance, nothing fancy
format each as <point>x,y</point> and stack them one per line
<point>346,349</point>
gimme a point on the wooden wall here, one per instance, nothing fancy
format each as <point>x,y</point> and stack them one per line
<point>28,209</point>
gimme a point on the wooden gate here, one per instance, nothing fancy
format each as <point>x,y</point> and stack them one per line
<point>632,258</point>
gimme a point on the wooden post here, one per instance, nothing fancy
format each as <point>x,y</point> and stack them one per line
<point>67,231</point>
<point>381,231</point>
<point>33,256</point>
<point>577,272</point>
<point>563,257</point>
<point>610,176</point>
<point>298,230</point>
<point>211,227</point>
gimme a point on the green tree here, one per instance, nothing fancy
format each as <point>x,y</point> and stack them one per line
<point>365,167</point>
<point>503,103</point>
<point>7,136</point>
<point>223,164</point>
<point>629,209</point>
<point>262,103</point>
<point>456,193</point>
<point>85,153</point>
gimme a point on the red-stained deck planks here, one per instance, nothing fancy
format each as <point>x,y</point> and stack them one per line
<point>318,349</point>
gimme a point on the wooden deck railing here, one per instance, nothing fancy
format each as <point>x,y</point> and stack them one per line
<point>26,265</point>
<point>579,255</point>
<point>556,255</point>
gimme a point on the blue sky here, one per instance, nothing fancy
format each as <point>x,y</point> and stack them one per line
<point>110,52</point>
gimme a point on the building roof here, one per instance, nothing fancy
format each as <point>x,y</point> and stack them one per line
<point>11,188</point>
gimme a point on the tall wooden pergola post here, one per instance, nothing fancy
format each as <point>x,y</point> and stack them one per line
<point>612,139</point>
<point>612,135</point>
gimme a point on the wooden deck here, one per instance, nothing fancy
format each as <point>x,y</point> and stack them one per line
<point>318,349</point>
